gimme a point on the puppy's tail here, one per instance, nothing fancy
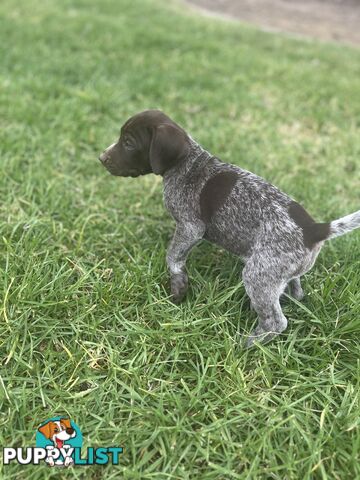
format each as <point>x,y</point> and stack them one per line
<point>344,225</point>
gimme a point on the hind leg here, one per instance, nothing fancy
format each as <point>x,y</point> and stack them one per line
<point>264,291</point>
<point>295,288</point>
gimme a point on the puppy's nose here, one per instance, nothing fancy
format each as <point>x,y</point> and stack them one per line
<point>70,430</point>
<point>104,157</point>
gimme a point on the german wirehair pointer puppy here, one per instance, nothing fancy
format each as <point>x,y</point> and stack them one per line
<point>231,207</point>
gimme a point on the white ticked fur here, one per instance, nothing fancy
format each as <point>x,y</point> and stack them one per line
<point>344,225</point>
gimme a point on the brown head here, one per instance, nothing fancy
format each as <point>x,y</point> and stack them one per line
<point>150,142</point>
<point>57,428</point>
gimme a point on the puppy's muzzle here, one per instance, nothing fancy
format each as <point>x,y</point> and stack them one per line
<point>104,158</point>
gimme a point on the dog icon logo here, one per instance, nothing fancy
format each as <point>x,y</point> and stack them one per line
<point>58,431</point>
<point>59,435</point>
<point>59,443</point>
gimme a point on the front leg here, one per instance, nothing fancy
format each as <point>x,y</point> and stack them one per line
<point>186,235</point>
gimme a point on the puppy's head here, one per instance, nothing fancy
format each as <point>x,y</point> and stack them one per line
<point>150,142</point>
<point>58,431</point>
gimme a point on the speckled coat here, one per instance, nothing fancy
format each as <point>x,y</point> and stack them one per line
<point>229,206</point>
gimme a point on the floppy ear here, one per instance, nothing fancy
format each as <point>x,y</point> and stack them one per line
<point>66,422</point>
<point>45,430</point>
<point>169,145</point>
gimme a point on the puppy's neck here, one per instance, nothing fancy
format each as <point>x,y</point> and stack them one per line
<point>196,155</point>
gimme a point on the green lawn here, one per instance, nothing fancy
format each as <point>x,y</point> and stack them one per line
<point>87,328</point>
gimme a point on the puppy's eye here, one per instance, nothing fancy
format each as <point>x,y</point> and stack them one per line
<point>56,430</point>
<point>128,143</point>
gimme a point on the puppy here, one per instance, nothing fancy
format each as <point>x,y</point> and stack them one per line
<point>231,207</point>
<point>58,432</point>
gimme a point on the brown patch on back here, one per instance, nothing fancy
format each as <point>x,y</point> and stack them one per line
<point>215,192</point>
<point>313,232</point>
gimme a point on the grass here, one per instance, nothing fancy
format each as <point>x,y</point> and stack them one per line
<point>87,328</point>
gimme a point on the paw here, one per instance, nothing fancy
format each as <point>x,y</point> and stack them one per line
<point>68,461</point>
<point>294,290</point>
<point>259,335</point>
<point>179,286</point>
<point>298,294</point>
